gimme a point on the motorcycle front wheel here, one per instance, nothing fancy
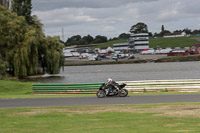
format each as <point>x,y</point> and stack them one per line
<point>101,94</point>
<point>123,93</point>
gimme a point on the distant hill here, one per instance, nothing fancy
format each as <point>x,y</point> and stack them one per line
<point>173,42</point>
<point>160,42</point>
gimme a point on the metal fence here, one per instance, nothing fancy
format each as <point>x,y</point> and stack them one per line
<point>189,85</point>
<point>183,85</point>
<point>85,88</point>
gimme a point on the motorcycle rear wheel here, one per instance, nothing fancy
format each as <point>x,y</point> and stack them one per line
<point>101,94</point>
<point>123,93</point>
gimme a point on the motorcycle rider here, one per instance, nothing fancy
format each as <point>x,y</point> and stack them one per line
<point>113,85</point>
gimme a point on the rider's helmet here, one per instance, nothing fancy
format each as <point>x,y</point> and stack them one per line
<point>109,80</point>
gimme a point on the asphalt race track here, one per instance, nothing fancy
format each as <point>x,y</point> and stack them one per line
<point>87,101</point>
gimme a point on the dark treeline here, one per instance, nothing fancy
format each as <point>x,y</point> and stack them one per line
<point>78,40</point>
<point>85,40</point>
<point>186,30</point>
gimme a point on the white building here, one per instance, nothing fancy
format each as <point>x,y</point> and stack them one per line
<point>139,41</point>
<point>121,46</point>
<point>175,34</point>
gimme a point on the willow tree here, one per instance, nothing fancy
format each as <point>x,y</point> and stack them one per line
<point>12,31</point>
<point>5,3</point>
<point>23,8</point>
<point>27,55</point>
<point>2,66</point>
<point>25,48</point>
<point>18,44</point>
<point>53,55</point>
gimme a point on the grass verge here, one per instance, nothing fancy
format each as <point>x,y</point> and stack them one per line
<point>151,118</point>
<point>159,42</point>
<point>12,89</point>
<point>15,87</point>
<point>173,42</point>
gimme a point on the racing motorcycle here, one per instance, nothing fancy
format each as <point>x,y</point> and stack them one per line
<point>106,90</point>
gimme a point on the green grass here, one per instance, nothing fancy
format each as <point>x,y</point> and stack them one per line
<point>11,89</point>
<point>160,42</point>
<point>14,87</point>
<point>172,42</point>
<point>151,118</point>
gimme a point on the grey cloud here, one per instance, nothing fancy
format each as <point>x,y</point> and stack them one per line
<point>76,16</point>
<point>43,5</point>
<point>64,17</point>
<point>112,17</point>
<point>169,11</point>
<point>189,7</point>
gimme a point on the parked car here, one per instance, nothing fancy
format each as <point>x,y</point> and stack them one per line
<point>115,56</point>
<point>131,57</point>
<point>163,51</point>
<point>94,58</point>
<point>148,51</point>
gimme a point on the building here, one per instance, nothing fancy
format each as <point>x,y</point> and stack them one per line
<point>175,34</point>
<point>121,46</point>
<point>139,41</point>
<point>195,49</point>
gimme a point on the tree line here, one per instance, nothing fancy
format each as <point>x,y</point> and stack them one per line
<point>143,28</point>
<point>186,30</point>
<point>140,27</point>
<point>85,40</point>
<point>78,40</point>
<point>24,48</point>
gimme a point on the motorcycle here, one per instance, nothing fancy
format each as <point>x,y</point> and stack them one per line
<point>106,90</point>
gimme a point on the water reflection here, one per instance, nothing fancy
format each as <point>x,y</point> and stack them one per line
<point>47,79</point>
<point>126,72</point>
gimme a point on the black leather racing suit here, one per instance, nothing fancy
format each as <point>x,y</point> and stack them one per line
<point>113,86</point>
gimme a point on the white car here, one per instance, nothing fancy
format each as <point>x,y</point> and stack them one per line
<point>149,51</point>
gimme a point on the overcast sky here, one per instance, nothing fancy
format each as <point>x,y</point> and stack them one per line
<point>113,17</point>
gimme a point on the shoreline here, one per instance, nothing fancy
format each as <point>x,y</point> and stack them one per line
<point>137,60</point>
<point>121,61</point>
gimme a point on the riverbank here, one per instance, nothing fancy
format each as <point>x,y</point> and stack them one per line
<point>179,59</point>
<point>141,59</point>
<point>106,62</point>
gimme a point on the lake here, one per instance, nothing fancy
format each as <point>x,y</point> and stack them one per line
<point>126,72</point>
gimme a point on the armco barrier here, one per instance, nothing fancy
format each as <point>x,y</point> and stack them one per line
<point>184,85</point>
<point>85,88</point>
<point>187,85</point>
